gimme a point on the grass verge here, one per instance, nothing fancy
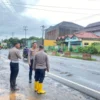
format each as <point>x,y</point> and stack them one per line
<point>78,57</point>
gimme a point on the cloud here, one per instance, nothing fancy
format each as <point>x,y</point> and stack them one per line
<point>14,22</point>
<point>19,5</point>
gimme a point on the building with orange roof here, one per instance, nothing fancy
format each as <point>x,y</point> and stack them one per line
<point>80,39</point>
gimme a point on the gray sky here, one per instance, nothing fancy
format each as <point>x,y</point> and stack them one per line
<point>14,14</point>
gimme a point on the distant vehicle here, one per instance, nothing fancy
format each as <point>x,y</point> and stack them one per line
<point>25,53</point>
<point>60,51</point>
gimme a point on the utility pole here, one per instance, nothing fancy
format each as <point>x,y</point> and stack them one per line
<point>43,28</point>
<point>25,29</point>
<point>12,34</point>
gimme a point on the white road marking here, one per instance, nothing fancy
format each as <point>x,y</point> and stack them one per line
<point>75,83</point>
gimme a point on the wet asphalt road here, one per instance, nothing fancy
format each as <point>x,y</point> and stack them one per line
<point>83,72</point>
<point>80,71</point>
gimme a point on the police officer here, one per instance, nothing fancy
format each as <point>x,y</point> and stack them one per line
<point>14,56</point>
<point>41,64</point>
<point>31,56</point>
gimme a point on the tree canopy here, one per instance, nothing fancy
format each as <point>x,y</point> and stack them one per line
<point>11,41</point>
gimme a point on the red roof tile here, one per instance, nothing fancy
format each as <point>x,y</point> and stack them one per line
<point>70,35</point>
<point>86,35</point>
<point>81,35</point>
<point>63,37</point>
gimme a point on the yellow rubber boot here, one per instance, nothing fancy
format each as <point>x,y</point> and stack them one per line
<point>36,86</point>
<point>40,89</point>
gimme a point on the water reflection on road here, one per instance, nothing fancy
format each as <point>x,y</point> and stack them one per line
<point>12,96</point>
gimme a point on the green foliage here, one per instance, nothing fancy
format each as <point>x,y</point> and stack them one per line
<point>51,48</point>
<point>60,42</point>
<point>65,49</point>
<point>57,54</point>
<point>34,38</point>
<point>78,57</point>
<point>11,41</point>
<point>92,50</point>
<point>88,49</point>
<point>97,46</point>
<point>71,49</point>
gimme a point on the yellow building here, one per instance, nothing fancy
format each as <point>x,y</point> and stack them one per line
<point>89,42</point>
<point>49,42</point>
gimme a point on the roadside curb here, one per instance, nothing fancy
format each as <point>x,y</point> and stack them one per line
<point>91,92</point>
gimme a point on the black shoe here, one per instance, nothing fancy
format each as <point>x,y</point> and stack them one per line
<point>14,89</point>
<point>30,81</point>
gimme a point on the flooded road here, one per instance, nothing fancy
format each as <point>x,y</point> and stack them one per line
<point>55,90</point>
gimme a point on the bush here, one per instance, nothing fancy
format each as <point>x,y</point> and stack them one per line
<point>80,49</point>
<point>83,49</point>
<point>70,49</point>
<point>97,46</point>
<point>88,49</point>
<point>92,50</point>
<point>65,49</point>
<point>51,48</point>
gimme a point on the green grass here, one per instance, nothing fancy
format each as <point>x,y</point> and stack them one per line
<point>78,57</point>
<point>57,54</point>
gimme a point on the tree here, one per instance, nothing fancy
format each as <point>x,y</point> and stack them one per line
<point>11,41</point>
<point>34,38</point>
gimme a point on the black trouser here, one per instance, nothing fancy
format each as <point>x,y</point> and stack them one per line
<point>30,70</point>
<point>39,75</point>
<point>14,68</point>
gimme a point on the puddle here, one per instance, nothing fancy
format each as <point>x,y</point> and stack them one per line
<point>69,75</point>
<point>64,72</point>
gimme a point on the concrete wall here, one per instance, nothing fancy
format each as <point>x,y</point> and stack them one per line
<point>52,34</point>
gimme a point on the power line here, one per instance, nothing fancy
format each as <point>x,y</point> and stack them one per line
<point>86,17</point>
<point>53,6</point>
<point>44,9</point>
<point>72,12</point>
<point>4,5</point>
<point>58,11</point>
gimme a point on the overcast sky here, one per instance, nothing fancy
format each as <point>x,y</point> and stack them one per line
<point>33,13</point>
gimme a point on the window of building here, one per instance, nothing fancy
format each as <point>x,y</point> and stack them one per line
<point>74,37</point>
<point>86,43</point>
